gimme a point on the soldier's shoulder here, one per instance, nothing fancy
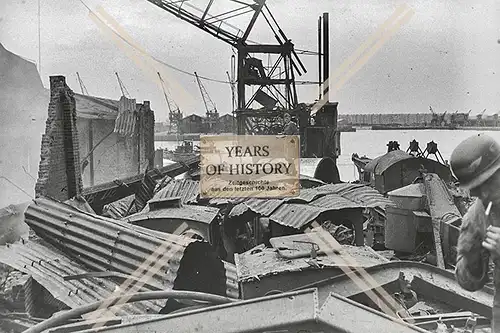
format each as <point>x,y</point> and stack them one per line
<point>474,214</point>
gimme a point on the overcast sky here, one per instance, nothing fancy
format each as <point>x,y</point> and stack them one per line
<point>447,56</point>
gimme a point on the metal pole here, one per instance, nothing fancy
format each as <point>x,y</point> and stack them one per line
<point>326,56</point>
<point>320,83</point>
<point>91,155</point>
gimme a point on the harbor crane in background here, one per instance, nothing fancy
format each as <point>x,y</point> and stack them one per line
<point>479,119</point>
<point>438,119</point>
<point>174,113</point>
<point>82,85</point>
<point>122,87</point>
<point>262,112</point>
<point>212,115</point>
<point>460,119</point>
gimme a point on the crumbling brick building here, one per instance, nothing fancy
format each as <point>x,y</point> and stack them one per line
<point>90,140</point>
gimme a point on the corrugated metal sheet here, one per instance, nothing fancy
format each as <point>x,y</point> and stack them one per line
<point>225,201</point>
<point>126,123</point>
<point>334,202</point>
<point>126,104</point>
<point>106,244</point>
<point>186,189</point>
<point>264,207</point>
<point>238,210</point>
<point>120,208</point>
<point>91,107</point>
<point>233,289</point>
<point>202,214</point>
<point>382,163</point>
<point>305,196</point>
<point>296,215</point>
<point>48,267</point>
<point>295,212</point>
<point>360,194</point>
<point>145,192</point>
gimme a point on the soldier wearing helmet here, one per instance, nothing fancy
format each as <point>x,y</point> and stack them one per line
<point>475,162</point>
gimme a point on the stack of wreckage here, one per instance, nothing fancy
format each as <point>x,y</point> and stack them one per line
<point>191,264</point>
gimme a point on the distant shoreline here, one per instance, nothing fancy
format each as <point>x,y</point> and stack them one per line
<point>417,128</point>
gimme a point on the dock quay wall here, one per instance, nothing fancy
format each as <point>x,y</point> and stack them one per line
<point>384,119</point>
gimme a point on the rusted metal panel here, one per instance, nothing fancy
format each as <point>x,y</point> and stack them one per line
<point>49,267</point>
<point>105,244</point>
<point>296,215</point>
<point>186,189</point>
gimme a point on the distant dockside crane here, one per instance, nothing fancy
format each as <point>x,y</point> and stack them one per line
<point>212,115</point>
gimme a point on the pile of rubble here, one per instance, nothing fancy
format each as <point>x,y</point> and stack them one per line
<point>151,236</point>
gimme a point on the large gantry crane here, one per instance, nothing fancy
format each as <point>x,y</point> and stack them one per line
<point>275,94</point>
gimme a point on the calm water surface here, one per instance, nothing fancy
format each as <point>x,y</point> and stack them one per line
<point>374,143</point>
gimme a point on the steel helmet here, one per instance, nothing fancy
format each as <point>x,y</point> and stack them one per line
<point>475,160</point>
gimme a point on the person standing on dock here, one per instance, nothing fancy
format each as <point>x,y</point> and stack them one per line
<point>290,127</point>
<point>475,162</point>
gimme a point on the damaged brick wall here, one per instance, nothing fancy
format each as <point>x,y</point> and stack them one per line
<point>59,174</point>
<point>117,156</point>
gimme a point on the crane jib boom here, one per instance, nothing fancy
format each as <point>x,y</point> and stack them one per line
<point>209,104</point>
<point>250,71</point>
<point>199,22</point>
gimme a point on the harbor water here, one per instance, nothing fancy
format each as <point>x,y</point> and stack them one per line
<point>374,143</point>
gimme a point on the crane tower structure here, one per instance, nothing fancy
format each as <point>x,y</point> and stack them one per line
<point>263,95</point>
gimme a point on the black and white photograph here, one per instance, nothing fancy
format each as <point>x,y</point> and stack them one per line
<point>111,221</point>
